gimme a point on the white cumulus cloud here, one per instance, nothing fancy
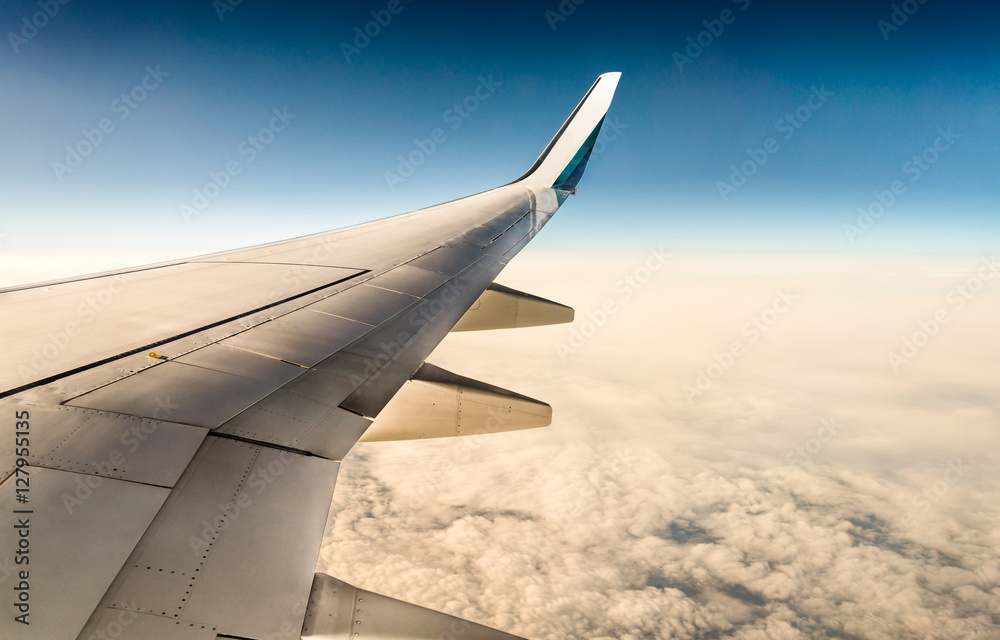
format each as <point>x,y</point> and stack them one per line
<point>810,491</point>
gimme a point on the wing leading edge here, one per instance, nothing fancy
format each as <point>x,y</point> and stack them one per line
<point>184,494</point>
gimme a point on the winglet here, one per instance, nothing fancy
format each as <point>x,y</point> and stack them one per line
<point>563,162</point>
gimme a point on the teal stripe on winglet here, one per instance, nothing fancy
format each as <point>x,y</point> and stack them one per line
<point>571,175</point>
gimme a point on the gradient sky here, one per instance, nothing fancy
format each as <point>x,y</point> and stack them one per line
<point>655,184</point>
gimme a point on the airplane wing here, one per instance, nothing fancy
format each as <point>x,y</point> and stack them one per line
<point>172,433</point>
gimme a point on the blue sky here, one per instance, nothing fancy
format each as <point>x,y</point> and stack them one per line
<point>685,126</point>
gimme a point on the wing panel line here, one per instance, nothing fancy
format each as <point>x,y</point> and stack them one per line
<point>131,352</point>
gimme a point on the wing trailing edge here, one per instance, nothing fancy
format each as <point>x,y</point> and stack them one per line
<point>339,611</point>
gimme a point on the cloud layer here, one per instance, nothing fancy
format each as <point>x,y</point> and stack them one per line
<point>808,491</point>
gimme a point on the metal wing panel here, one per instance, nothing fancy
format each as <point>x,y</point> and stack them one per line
<point>54,329</point>
<point>367,304</point>
<point>485,233</point>
<point>243,519</point>
<point>386,243</point>
<point>515,234</point>
<point>208,386</point>
<point>295,421</point>
<point>73,554</point>
<point>362,249</point>
<point>89,378</point>
<point>539,221</point>
<point>368,372</point>
<point>406,342</point>
<point>110,445</point>
<point>409,280</point>
<point>303,337</point>
<point>479,236</point>
<point>128,624</point>
<point>332,380</point>
<point>448,260</point>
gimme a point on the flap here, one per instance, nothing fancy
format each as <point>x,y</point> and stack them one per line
<point>438,404</point>
<point>501,307</point>
<point>338,611</point>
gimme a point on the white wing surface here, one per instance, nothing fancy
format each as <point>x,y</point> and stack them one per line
<point>175,430</point>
